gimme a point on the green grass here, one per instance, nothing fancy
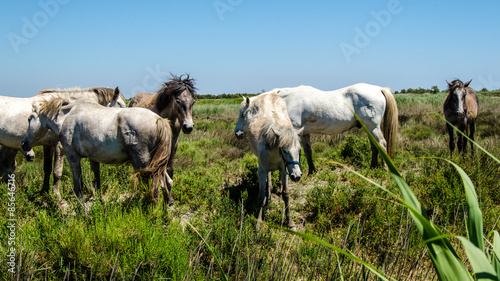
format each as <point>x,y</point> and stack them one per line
<point>125,236</point>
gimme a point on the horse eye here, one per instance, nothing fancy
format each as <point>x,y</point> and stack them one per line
<point>178,101</point>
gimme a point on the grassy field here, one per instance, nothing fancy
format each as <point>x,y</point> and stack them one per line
<point>123,236</point>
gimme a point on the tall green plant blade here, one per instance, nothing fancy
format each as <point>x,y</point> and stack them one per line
<point>475,216</point>
<point>444,258</point>
<point>496,253</point>
<point>477,145</point>
<point>328,245</point>
<point>483,270</point>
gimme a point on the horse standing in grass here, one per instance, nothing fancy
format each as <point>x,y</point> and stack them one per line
<point>173,101</point>
<point>331,113</point>
<point>461,108</point>
<point>14,113</point>
<point>276,143</point>
<point>107,135</point>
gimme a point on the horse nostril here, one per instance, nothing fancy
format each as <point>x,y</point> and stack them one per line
<point>187,129</point>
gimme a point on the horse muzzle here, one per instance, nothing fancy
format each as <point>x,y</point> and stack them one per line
<point>187,128</point>
<point>28,154</point>
<point>295,173</point>
<point>239,134</point>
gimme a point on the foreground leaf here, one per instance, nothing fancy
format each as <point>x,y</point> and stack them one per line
<point>483,270</point>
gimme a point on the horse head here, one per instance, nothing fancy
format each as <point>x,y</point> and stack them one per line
<point>457,92</point>
<point>288,139</point>
<point>177,96</point>
<point>117,101</point>
<point>43,118</point>
<point>36,129</point>
<point>246,112</point>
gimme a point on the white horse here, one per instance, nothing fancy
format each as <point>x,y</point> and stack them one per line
<point>331,113</point>
<point>14,113</point>
<point>106,135</point>
<point>276,143</point>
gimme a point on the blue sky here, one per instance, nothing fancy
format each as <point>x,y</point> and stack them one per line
<point>243,46</point>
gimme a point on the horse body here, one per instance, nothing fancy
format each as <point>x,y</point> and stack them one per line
<point>331,113</point>
<point>275,142</point>
<point>173,101</point>
<point>110,136</point>
<point>14,114</point>
<point>461,108</point>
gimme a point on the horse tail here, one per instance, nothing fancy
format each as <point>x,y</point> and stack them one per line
<point>160,154</point>
<point>390,120</point>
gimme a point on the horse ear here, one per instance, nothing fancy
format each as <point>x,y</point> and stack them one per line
<point>247,100</point>
<point>116,95</point>
<point>467,84</point>
<point>449,84</point>
<point>36,107</point>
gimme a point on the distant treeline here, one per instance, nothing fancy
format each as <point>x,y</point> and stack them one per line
<point>433,90</point>
<point>224,96</point>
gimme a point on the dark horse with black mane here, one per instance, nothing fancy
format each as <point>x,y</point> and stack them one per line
<point>461,108</point>
<point>173,101</point>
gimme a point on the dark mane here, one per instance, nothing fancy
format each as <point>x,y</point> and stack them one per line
<point>173,88</point>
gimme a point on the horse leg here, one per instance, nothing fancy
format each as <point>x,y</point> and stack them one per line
<point>466,132</point>
<point>94,166</point>
<point>58,169</point>
<point>76,170</point>
<point>471,135</point>
<point>306,144</point>
<point>460,142</point>
<point>48,152</point>
<point>262,195</point>
<point>167,190</point>
<point>451,143</point>
<point>269,186</point>
<point>170,166</point>
<point>379,137</point>
<point>286,198</point>
<point>7,161</point>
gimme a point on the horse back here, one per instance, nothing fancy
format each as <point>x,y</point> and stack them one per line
<point>145,100</point>
<point>471,103</point>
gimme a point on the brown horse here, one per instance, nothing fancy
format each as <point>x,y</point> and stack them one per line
<point>461,108</point>
<point>173,101</point>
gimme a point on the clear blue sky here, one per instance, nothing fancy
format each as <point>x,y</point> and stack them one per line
<point>243,46</point>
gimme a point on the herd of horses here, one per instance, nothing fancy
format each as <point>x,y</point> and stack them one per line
<point>95,123</point>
